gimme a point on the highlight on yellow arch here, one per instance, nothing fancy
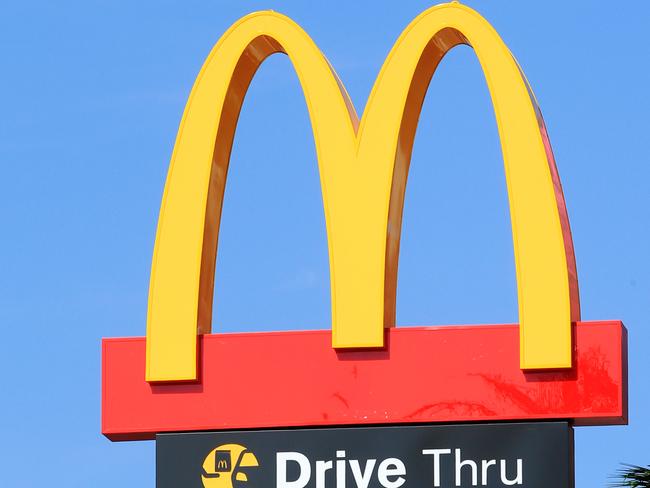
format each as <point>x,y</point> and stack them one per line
<point>363,167</point>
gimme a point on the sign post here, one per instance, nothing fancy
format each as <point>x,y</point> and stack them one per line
<point>365,404</point>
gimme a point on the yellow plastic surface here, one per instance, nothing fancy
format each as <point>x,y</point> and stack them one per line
<point>363,170</point>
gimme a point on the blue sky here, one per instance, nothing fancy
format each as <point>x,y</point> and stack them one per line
<point>92,93</point>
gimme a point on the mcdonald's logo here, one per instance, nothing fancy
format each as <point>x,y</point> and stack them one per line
<point>543,368</point>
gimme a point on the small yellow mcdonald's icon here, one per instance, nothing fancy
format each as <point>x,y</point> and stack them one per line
<point>363,166</point>
<point>225,464</point>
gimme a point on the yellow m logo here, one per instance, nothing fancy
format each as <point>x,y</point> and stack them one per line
<point>363,167</point>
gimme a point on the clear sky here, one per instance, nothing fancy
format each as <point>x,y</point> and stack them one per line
<point>91,95</point>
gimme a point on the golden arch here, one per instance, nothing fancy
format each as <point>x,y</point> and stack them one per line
<point>363,168</point>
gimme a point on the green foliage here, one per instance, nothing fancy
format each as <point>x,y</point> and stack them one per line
<point>632,476</point>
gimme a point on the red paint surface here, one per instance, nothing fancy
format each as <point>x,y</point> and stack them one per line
<point>426,374</point>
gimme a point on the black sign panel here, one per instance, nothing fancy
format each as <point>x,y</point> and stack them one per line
<point>530,455</point>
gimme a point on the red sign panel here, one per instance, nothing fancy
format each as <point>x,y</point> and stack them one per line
<point>425,374</point>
